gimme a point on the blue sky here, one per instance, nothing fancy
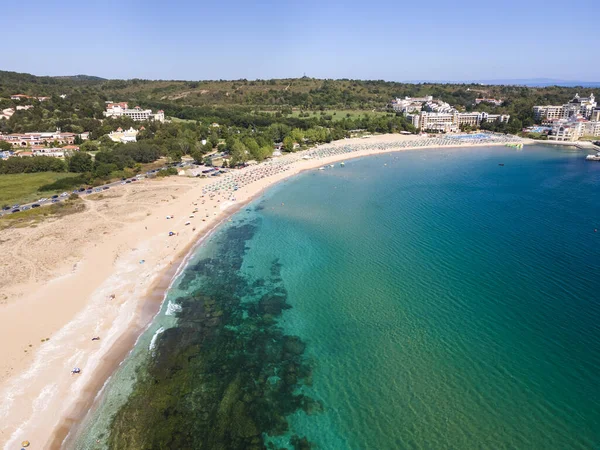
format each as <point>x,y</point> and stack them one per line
<point>391,40</point>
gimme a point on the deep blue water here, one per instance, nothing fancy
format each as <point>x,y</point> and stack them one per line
<point>446,302</point>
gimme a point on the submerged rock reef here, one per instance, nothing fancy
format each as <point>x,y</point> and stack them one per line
<point>226,376</point>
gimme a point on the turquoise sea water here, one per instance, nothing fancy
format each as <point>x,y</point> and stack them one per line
<point>446,302</point>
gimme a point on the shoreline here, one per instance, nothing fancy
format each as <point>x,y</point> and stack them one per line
<point>155,290</point>
<point>150,307</point>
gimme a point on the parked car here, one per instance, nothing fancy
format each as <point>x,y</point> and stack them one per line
<point>25,208</point>
<point>55,200</point>
<point>55,196</point>
<point>16,210</point>
<point>35,205</point>
<point>106,187</point>
<point>6,208</point>
<point>128,181</point>
<point>64,194</point>
<point>89,191</point>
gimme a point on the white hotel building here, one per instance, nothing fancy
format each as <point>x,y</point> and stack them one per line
<point>572,130</point>
<point>435,115</point>
<point>137,113</point>
<point>583,106</point>
<point>451,122</point>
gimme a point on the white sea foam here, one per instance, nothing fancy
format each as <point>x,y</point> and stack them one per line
<point>42,400</point>
<point>172,308</point>
<point>152,345</point>
<point>226,205</point>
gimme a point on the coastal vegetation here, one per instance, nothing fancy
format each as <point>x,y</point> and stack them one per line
<point>19,188</point>
<point>34,216</point>
<point>242,118</point>
<point>288,99</point>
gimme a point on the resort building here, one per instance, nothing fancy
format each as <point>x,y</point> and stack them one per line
<point>414,119</point>
<point>472,119</point>
<point>439,122</point>
<point>435,115</point>
<point>502,118</point>
<point>123,136</point>
<point>410,104</point>
<point>25,97</point>
<point>491,101</point>
<point>438,106</point>
<point>41,138</point>
<point>8,112</point>
<point>547,112</point>
<point>137,113</point>
<point>583,106</point>
<point>449,122</point>
<point>54,152</point>
<point>573,130</point>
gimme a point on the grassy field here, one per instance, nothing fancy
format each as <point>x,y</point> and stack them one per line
<point>339,114</point>
<point>32,217</point>
<point>23,187</point>
<point>177,119</point>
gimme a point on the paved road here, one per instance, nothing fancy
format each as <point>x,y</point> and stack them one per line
<point>62,197</point>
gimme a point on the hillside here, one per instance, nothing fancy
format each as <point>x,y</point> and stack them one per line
<point>76,103</point>
<point>239,118</point>
<point>305,93</point>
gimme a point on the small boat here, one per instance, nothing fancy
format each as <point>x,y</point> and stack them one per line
<point>593,157</point>
<point>515,145</point>
<point>331,165</point>
<point>501,164</point>
<point>321,168</point>
<point>76,370</point>
<point>342,164</point>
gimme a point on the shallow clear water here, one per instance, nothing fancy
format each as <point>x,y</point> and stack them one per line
<point>446,301</point>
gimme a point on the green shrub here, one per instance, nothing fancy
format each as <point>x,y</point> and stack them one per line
<point>66,183</point>
<point>167,172</point>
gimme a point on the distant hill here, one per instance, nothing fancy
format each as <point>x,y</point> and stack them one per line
<point>543,82</point>
<point>529,82</point>
<point>181,98</point>
<point>81,78</point>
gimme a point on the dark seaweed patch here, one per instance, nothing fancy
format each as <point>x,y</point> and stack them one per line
<point>227,376</point>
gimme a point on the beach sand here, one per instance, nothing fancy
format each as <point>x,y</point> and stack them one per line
<point>57,279</point>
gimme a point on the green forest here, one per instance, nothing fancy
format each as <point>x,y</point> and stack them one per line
<point>242,117</point>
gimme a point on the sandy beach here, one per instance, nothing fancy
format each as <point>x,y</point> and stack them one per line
<point>104,272</point>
